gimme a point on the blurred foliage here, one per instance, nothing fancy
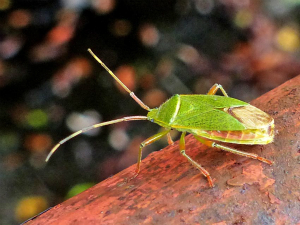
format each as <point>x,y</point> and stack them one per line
<point>78,188</point>
<point>50,86</point>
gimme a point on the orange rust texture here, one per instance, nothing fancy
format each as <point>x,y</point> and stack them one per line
<point>169,190</point>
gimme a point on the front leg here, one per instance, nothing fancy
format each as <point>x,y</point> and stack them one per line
<point>148,141</point>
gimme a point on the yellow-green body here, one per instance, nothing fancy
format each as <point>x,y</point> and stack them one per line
<point>215,117</point>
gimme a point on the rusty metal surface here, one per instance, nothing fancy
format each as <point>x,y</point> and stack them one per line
<point>169,190</point>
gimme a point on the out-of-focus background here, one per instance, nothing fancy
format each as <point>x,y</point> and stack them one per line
<point>50,86</point>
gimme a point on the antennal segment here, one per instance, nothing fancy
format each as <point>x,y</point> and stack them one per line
<point>139,101</point>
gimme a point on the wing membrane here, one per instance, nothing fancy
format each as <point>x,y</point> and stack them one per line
<point>205,112</point>
<point>214,119</point>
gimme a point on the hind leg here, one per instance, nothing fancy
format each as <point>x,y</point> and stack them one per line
<point>232,150</point>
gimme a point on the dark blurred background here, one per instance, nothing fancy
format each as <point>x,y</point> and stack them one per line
<point>50,86</point>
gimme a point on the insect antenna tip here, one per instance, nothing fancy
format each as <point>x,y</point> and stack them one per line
<point>51,152</point>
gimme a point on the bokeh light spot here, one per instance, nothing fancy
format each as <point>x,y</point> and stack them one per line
<point>37,118</point>
<point>243,18</point>
<point>78,188</point>
<point>154,98</point>
<point>60,34</point>
<point>68,76</point>
<point>204,6</point>
<point>76,121</point>
<point>126,74</point>
<point>147,81</point>
<point>30,206</point>
<point>118,139</point>
<point>121,27</point>
<point>103,6</point>
<point>38,142</point>
<point>83,152</point>
<point>149,35</point>
<point>5,4</point>
<point>188,54</point>
<point>9,141</point>
<point>10,46</point>
<point>20,18</point>
<point>288,39</point>
<point>13,161</point>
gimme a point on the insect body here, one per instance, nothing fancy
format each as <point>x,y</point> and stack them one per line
<point>208,117</point>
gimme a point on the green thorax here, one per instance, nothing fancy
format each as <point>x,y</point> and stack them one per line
<point>200,112</point>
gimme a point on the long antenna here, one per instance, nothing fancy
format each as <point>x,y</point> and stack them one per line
<point>139,101</point>
<point>128,118</point>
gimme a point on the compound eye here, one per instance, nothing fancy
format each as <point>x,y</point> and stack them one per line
<point>152,120</point>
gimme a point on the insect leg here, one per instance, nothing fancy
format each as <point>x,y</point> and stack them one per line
<point>148,141</point>
<point>198,166</point>
<point>170,141</point>
<point>232,150</point>
<point>215,88</point>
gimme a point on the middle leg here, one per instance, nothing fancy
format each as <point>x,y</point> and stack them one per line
<point>198,166</point>
<point>148,141</point>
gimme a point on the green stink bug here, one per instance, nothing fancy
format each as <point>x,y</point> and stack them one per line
<point>208,117</point>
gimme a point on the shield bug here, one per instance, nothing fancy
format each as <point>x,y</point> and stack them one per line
<point>208,118</point>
